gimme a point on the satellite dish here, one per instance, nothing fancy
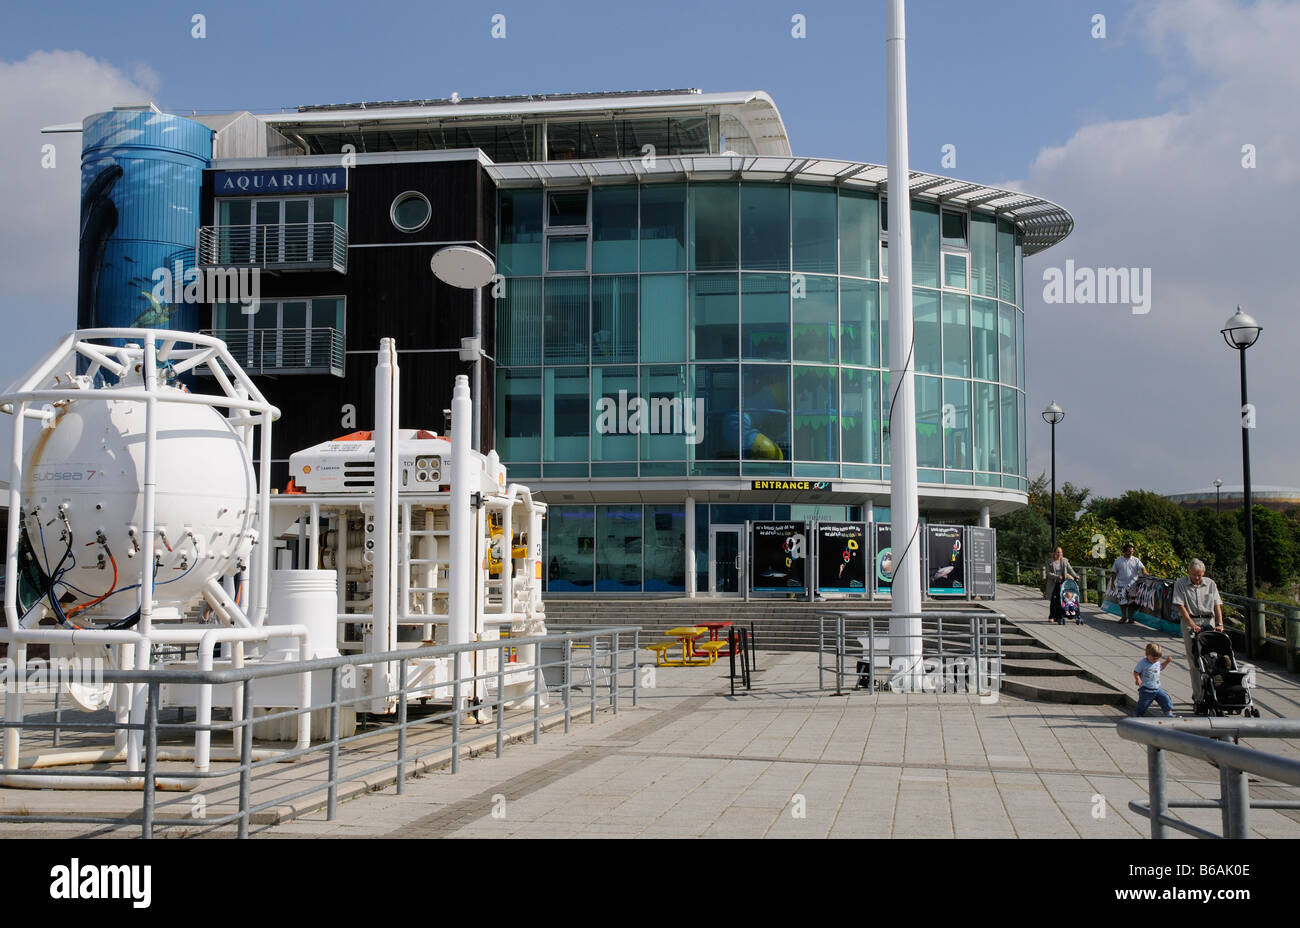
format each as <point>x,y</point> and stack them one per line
<point>463,266</point>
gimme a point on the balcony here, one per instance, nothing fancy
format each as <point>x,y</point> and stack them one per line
<point>285,351</point>
<point>293,246</point>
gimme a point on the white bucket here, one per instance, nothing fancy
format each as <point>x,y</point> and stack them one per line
<point>304,597</point>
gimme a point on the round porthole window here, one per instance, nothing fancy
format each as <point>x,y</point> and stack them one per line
<point>411,211</point>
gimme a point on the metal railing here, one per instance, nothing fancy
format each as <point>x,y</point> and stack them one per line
<point>285,351</point>
<point>283,246</point>
<point>599,655</point>
<point>1200,738</point>
<point>960,652</point>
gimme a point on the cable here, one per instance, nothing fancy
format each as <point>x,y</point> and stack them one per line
<point>911,350</point>
<point>100,599</point>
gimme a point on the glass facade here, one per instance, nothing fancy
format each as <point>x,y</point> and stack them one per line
<point>741,329</point>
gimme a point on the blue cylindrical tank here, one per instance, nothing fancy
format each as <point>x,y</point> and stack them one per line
<point>141,183</point>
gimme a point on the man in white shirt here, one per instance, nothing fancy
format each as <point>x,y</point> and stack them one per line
<point>1126,570</point>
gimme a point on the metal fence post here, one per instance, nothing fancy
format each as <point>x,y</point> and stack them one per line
<point>592,678</point>
<point>613,672</point>
<point>401,727</point>
<point>246,759</point>
<point>568,685</point>
<point>753,649</point>
<point>636,666</point>
<point>1159,791</point>
<point>150,759</point>
<point>332,786</point>
<point>455,713</point>
<point>1236,802</point>
<point>537,693</point>
<point>501,700</point>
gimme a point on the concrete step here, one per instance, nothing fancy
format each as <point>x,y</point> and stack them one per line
<point>1040,667</point>
<point>1069,690</point>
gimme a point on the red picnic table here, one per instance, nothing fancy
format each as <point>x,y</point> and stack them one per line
<point>715,627</point>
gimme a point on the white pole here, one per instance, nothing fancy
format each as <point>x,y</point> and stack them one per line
<point>461,550</point>
<point>690,547</point>
<point>984,517</point>
<point>904,633</point>
<point>385,577</point>
<point>478,368</point>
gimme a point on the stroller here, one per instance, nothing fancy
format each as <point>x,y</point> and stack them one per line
<point>1225,687</point>
<point>1070,602</point>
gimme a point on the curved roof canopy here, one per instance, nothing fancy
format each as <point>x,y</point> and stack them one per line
<point>1043,222</point>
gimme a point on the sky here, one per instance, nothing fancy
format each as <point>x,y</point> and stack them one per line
<point>1138,132</point>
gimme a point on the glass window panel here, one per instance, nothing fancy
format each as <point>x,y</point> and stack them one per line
<point>925,244</point>
<point>859,233</point>
<point>666,414</point>
<point>614,318</point>
<point>715,210</point>
<point>715,317</point>
<point>1010,431</point>
<point>929,422</point>
<point>765,227</point>
<point>663,227</point>
<point>984,332</point>
<point>613,392</point>
<point>519,321</point>
<point>816,414</point>
<point>521,233</point>
<point>663,317</point>
<point>1006,261</point>
<point>884,325</point>
<point>567,321</point>
<point>519,415</point>
<point>813,229</point>
<point>928,337</point>
<point>718,385</point>
<point>1020,350</point>
<point>765,317</point>
<point>570,548</point>
<point>814,309</point>
<point>587,138</point>
<point>860,322</point>
<point>956,335</point>
<point>765,418</point>
<point>1020,272</point>
<point>568,414</point>
<point>983,255</point>
<point>327,313</point>
<point>1007,342</point>
<point>886,400</point>
<point>954,271</point>
<point>860,415</point>
<point>566,208</point>
<point>988,440</point>
<point>957,425</point>
<point>954,229</point>
<point>618,548</point>
<point>884,260</point>
<point>566,253</point>
<point>613,230</point>
<point>665,549</point>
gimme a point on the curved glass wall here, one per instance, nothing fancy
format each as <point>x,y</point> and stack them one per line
<point>741,329</point>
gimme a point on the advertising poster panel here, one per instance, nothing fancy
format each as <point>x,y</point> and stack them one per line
<point>841,557</point>
<point>946,565</point>
<point>780,552</point>
<point>982,556</point>
<point>884,559</point>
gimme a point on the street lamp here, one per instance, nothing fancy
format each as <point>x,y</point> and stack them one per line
<point>1240,332</point>
<point>469,268</point>
<point>1217,483</point>
<point>1052,415</point>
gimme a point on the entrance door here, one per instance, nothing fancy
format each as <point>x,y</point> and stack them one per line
<point>727,560</point>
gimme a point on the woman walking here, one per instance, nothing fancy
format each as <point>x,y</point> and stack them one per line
<point>1058,569</point>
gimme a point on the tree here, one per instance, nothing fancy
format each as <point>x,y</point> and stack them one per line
<point>1223,548</point>
<point>1092,542</point>
<point>1275,560</point>
<point>1023,536</point>
<point>1154,515</point>
<point>1070,501</point>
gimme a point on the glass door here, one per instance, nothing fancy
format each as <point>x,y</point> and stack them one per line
<point>266,243</point>
<point>727,560</point>
<point>297,223</point>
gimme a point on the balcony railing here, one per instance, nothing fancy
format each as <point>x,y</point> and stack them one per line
<point>285,351</point>
<point>304,246</point>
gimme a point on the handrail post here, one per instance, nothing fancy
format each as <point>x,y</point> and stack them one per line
<point>401,727</point>
<point>1158,788</point>
<point>150,759</point>
<point>537,693</point>
<point>568,685</point>
<point>331,803</point>
<point>943,667</point>
<point>636,667</point>
<point>592,678</point>
<point>501,698</point>
<point>455,712</point>
<point>246,759</point>
<point>613,672</point>
<point>1236,802</point>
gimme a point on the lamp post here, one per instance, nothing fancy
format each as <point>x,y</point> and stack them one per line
<point>1217,483</point>
<point>1240,332</point>
<point>470,268</point>
<point>1052,415</point>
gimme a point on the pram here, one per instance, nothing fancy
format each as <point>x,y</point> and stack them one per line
<point>1070,602</point>
<point>1225,687</point>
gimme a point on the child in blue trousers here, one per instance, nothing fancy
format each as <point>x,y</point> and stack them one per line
<point>1147,677</point>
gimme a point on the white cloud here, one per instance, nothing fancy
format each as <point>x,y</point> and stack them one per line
<point>38,238</point>
<point>1152,400</point>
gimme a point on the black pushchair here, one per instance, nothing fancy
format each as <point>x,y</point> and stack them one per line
<point>1224,689</point>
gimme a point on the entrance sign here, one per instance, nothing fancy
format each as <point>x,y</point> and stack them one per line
<point>842,557</point>
<point>884,559</point>
<point>780,557</point>
<point>947,560</point>
<point>981,556</point>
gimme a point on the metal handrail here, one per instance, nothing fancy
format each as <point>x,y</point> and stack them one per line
<point>1199,738</point>
<point>301,244</point>
<point>278,351</point>
<point>606,678</point>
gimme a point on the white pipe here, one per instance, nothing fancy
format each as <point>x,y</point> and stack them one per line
<point>225,607</point>
<point>261,556</point>
<point>460,548</point>
<point>690,547</point>
<point>13,701</point>
<point>341,556</point>
<point>507,556</point>
<point>313,537</point>
<point>384,585</point>
<point>904,633</point>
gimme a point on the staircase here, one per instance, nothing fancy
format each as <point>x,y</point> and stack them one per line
<point>1031,670</point>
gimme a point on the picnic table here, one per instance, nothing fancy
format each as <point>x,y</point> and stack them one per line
<point>685,636</point>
